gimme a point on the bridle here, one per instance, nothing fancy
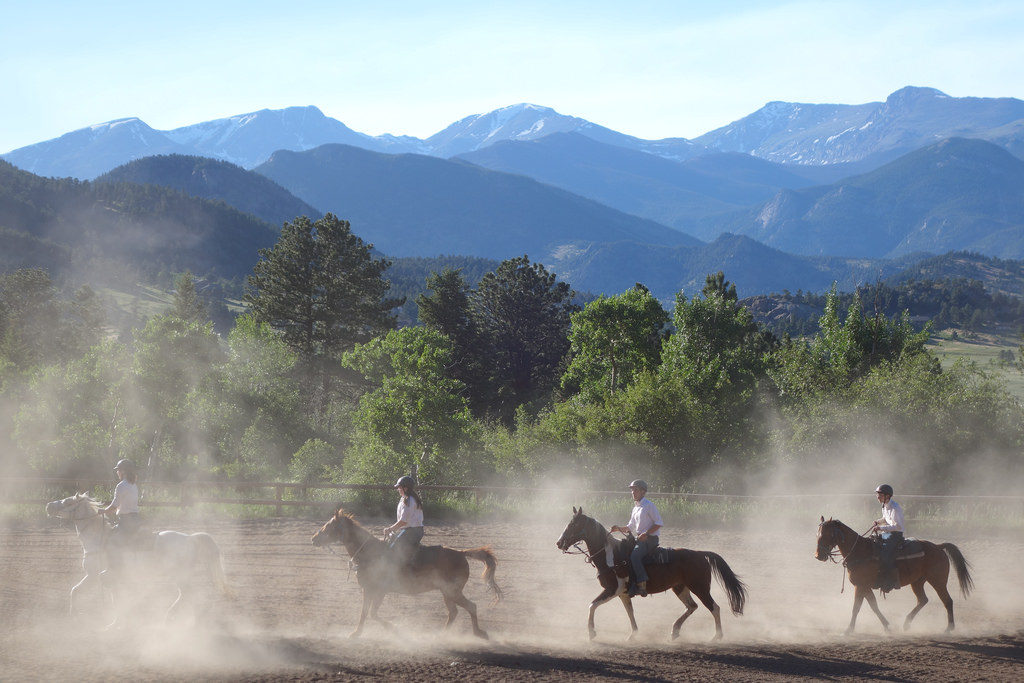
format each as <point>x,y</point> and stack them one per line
<point>834,550</point>
<point>73,508</point>
<point>72,519</point>
<point>352,559</point>
<point>577,549</point>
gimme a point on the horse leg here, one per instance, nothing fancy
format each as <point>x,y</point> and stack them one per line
<point>470,607</point>
<point>858,598</point>
<point>453,610</point>
<point>704,595</point>
<point>627,602</point>
<point>873,604</point>
<point>376,606</point>
<point>683,593</point>
<point>947,602</point>
<point>922,600</point>
<point>86,580</point>
<point>606,595</point>
<point>178,601</point>
<point>367,600</point>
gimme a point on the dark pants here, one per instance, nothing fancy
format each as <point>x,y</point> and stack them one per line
<point>891,542</point>
<point>121,539</point>
<point>640,551</point>
<point>406,542</point>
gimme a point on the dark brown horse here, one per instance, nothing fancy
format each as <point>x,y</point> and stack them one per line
<point>862,565</point>
<point>686,571</point>
<point>433,568</point>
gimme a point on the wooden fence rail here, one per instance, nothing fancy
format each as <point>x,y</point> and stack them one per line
<point>39,490</point>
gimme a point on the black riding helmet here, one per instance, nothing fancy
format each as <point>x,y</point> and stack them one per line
<point>124,466</point>
<point>884,489</point>
<point>406,481</point>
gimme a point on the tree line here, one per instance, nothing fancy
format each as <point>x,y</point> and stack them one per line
<point>508,379</point>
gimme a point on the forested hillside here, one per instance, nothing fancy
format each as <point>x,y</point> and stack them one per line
<point>116,232</point>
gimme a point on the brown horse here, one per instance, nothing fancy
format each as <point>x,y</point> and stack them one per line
<point>686,571</point>
<point>433,568</point>
<point>862,566</point>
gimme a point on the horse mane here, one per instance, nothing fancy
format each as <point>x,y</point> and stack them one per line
<point>341,512</point>
<point>90,501</point>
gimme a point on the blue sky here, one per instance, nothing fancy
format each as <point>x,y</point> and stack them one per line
<point>650,69</point>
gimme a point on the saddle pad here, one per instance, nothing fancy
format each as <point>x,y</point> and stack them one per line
<point>911,548</point>
<point>659,556</point>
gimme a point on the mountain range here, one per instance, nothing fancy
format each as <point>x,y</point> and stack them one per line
<point>416,205</point>
<point>792,196</point>
<point>865,135</point>
<point>954,195</point>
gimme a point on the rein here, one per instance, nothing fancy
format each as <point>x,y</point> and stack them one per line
<point>587,555</point>
<point>585,552</point>
<point>835,551</point>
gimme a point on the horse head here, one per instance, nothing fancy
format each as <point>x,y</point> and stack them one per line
<point>337,529</point>
<point>828,538</point>
<point>68,508</point>
<point>575,531</point>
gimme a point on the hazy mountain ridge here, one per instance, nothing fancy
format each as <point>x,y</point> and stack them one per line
<point>668,192</point>
<point>751,266</point>
<point>785,132</point>
<point>414,205</point>
<point>909,118</point>
<point>958,194</point>
<point>207,178</point>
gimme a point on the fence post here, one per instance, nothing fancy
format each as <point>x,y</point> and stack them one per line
<point>278,494</point>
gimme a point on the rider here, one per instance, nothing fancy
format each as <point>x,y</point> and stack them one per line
<point>644,523</point>
<point>890,529</point>
<point>408,528</point>
<point>126,505</point>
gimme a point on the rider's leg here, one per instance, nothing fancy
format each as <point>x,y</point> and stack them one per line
<point>640,551</point>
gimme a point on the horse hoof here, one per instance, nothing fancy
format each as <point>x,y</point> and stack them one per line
<point>674,636</point>
<point>482,634</point>
<point>592,635</point>
<point>355,634</point>
<point>717,636</point>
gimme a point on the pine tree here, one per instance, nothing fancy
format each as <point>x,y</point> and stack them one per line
<point>321,288</point>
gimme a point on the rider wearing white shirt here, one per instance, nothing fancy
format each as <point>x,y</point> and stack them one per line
<point>890,529</point>
<point>408,528</point>
<point>644,522</point>
<point>126,505</point>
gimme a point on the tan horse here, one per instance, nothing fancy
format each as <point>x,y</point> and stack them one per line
<point>433,568</point>
<point>862,566</point>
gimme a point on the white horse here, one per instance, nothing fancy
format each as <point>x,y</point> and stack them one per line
<point>174,555</point>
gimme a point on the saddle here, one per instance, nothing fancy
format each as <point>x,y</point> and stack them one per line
<point>908,549</point>
<point>659,555</point>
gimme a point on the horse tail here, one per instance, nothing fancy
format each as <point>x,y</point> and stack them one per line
<point>485,555</point>
<point>736,589</point>
<point>962,566</point>
<point>209,555</point>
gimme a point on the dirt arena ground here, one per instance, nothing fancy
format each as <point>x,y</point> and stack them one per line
<point>296,604</point>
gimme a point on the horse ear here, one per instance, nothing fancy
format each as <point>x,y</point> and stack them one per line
<point>823,519</point>
<point>574,511</point>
